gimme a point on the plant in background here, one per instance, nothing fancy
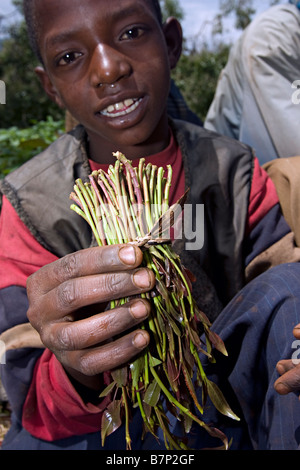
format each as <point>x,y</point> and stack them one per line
<point>131,205</point>
<point>19,145</point>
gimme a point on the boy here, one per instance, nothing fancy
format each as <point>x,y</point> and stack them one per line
<point>109,64</point>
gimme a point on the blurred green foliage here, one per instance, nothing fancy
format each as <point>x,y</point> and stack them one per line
<point>196,75</point>
<point>25,98</point>
<point>19,145</point>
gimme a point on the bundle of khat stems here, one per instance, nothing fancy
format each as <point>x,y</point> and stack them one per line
<point>131,205</point>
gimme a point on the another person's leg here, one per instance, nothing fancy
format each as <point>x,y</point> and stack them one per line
<point>257,328</point>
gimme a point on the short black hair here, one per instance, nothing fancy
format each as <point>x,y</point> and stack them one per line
<point>32,26</point>
<point>157,8</point>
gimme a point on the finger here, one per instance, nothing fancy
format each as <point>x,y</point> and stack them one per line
<point>84,263</point>
<point>296,331</point>
<point>284,366</point>
<point>90,362</point>
<point>96,329</point>
<point>80,292</point>
<point>289,381</point>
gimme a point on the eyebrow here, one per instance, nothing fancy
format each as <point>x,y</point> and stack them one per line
<point>117,15</point>
<point>59,38</point>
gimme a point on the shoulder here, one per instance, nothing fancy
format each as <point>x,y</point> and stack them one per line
<point>276,15</point>
<point>215,164</point>
<point>39,192</point>
<point>54,159</point>
<point>275,29</point>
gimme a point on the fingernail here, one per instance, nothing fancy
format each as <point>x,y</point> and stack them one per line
<point>139,310</point>
<point>280,368</point>
<point>140,340</point>
<point>142,279</point>
<point>282,388</point>
<point>127,255</point>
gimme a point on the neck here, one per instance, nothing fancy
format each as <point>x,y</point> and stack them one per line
<point>101,150</point>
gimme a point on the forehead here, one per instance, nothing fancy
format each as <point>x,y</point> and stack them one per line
<point>41,8</point>
<point>52,16</point>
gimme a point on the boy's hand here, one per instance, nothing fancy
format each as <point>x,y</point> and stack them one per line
<point>67,300</point>
<point>290,373</point>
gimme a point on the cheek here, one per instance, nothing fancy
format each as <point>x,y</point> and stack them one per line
<point>160,79</point>
<point>74,99</point>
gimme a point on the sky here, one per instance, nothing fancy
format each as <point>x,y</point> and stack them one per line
<point>198,16</point>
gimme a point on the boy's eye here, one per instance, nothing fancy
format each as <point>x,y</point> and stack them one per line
<point>69,58</point>
<point>132,33</point>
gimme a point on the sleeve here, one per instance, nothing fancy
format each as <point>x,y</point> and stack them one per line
<point>269,239</point>
<point>53,409</point>
<point>257,96</point>
<point>20,254</point>
<point>39,391</point>
<point>271,57</point>
<point>225,111</point>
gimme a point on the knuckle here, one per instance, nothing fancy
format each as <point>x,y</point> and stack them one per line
<point>67,295</point>
<point>65,338</point>
<point>57,338</point>
<point>115,283</point>
<point>32,286</point>
<point>33,316</point>
<point>69,265</point>
<point>30,314</point>
<point>46,337</point>
<point>87,366</point>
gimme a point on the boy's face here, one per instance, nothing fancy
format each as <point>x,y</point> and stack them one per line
<point>108,62</point>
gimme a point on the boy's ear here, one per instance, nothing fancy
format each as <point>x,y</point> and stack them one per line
<point>173,35</point>
<point>47,85</point>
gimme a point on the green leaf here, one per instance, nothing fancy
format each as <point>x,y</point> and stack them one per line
<point>219,400</point>
<point>161,320</point>
<point>32,144</point>
<point>162,290</point>
<point>173,373</point>
<point>187,422</point>
<point>153,361</point>
<point>111,419</point>
<point>107,390</point>
<point>136,369</point>
<point>120,376</point>
<point>152,394</point>
<point>171,344</point>
<point>155,253</point>
<point>170,320</point>
<point>190,386</point>
<point>217,342</point>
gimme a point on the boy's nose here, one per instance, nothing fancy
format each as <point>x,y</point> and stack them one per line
<point>107,66</point>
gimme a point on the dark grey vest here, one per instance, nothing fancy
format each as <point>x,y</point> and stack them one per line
<point>218,172</point>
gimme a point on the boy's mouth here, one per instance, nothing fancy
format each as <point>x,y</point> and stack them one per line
<point>122,108</point>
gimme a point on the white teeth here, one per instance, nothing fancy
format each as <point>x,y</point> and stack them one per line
<point>121,108</point>
<point>110,109</point>
<point>128,102</point>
